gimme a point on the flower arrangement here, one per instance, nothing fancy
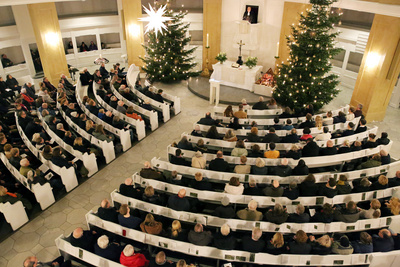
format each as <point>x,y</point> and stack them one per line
<point>221,57</point>
<point>251,62</point>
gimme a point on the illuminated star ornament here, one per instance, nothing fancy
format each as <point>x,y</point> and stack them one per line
<point>156,19</point>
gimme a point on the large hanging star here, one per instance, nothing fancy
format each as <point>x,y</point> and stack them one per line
<point>155,19</point>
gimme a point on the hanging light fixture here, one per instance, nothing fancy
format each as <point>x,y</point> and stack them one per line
<point>155,19</point>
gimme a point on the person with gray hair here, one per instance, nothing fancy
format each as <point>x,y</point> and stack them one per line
<point>226,210</point>
<point>250,213</point>
<point>120,107</point>
<point>260,105</point>
<point>224,239</point>
<point>299,216</point>
<point>105,249</point>
<point>130,258</point>
<point>283,169</point>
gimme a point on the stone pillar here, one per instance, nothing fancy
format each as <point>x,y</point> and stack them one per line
<point>49,41</point>
<point>132,11</point>
<point>212,27</point>
<point>379,68</point>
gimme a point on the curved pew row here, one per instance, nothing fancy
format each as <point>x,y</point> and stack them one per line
<point>280,133</point>
<point>123,135</point>
<point>152,116</point>
<point>106,147</point>
<point>138,125</point>
<point>89,160</point>
<point>131,77</point>
<point>232,255</point>
<point>263,201</point>
<point>224,177</point>
<point>311,162</point>
<point>68,176</point>
<point>43,193</point>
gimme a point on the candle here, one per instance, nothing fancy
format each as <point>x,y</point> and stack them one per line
<point>277,49</point>
<point>207,40</point>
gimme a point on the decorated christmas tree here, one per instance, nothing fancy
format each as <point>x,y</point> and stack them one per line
<point>305,78</point>
<point>167,60</point>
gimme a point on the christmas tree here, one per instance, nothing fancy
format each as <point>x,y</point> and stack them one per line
<point>305,78</point>
<point>166,58</point>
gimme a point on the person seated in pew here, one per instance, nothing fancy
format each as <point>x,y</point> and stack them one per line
<point>299,245</point>
<point>200,146</point>
<point>224,239</point>
<point>276,245</point>
<point>374,161</point>
<point>150,173</point>
<point>129,258</point>
<point>150,196</point>
<point>253,135</point>
<point>178,159</point>
<point>342,246</point>
<point>371,142</point>
<point>201,183</point>
<point>329,189</point>
<point>364,245</point>
<point>234,187</point>
<point>161,260</point>
<point>196,131</point>
<point>230,136</point>
<point>321,246</point>
<point>6,196</point>
<point>361,127</point>
<point>349,214</point>
<point>240,114</point>
<point>184,144</point>
<point>200,237</point>
<point>271,136</point>
<point>259,168</point>
<point>340,118</point>
<point>151,226</point>
<point>301,168</point>
<point>306,134</point>
<point>385,157</point>
<point>292,191</point>
<point>32,261</point>
<point>383,241</point>
<point>105,249</point>
<point>207,120</point>
<point>395,181</point>
<point>83,239</point>
<point>383,140</point>
<point>328,120</point>
<point>283,169</point>
<point>260,105</point>
<point>300,216</point>
<point>242,168</point>
<point>361,186</point>
<point>349,131</point>
<point>131,114</point>
<point>114,102</point>
<point>179,202</point>
<point>126,219</point>
<point>228,112</point>
<point>239,149</point>
<point>273,190</point>
<point>250,213</point>
<point>226,210</point>
<point>176,232</point>
<point>252,189</point>
<point>342,186</point>
<point>121,107</point>
<point>311,149</point>
<point>198,160</point>
<point>106,212</point>
<point>219,164</point>
<point>324,214</point>
<point>308,122</point>
<point>380,184</point>
<point>344,148</point>
<point>391,207</point>
<point>253,243</point>
<point>272,153</point>
<point>325,136</point>
<point>278,215</point>
<point>294,152</point>
<point>374,210</point>
<point>255,152</point>
<point>128,189</point>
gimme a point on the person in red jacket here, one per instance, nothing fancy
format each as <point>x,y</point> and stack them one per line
<point>131,259</point>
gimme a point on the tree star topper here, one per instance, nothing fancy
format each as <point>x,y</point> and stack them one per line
<point>155,19</point>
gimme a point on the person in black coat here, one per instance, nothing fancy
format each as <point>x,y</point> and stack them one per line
<point>381,184</point>
<point>106,212</point>
<point>103,71</point>
<point>292,191</point>
<point>235,124</point>
<point>362,186</point>
<point>308,123</point>
<point>300,245</point>
<point>253,243</point>
<point>207,120</point>
<point>311,149</point>
<point>255,152</point>
<point>340,118</point>
<point>361,127</point>
<point>294,152</point>
<point>252,189</point>
<point>349,131</point>
<point>128,189</point>
<point>278,215</point>
<point>383,242</point>
<point>226,210</point>
<point>12,83</point>
<point>300,216</point>
<point>106,250</point>
<point>283,169</point>
<point>83,239</point>
<point>292,137</point>
<point>384,140</point>
<point>179,202</point>
<point>395,181</point>
<point>301,168</point>
<point>321,246</point>
<point>308,187</point>
<point>329,149</point>
<point>219,164</point>
<point>178,159</point>
<point>260,105</point>
<point>86,78</point>
<point>271,136</point>
<point>253,135</point>
<point>33,127</point>
<point>328,189</point>
<point>276,245</point>
<point>324,215</point>
<point>58,160</point>
<point>158,97</point>
<point>224,239</point>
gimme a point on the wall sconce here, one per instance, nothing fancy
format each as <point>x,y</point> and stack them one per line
<point>373,60</point>
<point>52,38</point>
<point>134,30</point>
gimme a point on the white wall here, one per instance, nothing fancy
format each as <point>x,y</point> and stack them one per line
<point>262,37</point>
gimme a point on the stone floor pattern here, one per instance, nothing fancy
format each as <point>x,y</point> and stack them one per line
<point>37,237</point>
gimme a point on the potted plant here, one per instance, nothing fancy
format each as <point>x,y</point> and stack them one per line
<point>251,62</point>
<point>221,57</point>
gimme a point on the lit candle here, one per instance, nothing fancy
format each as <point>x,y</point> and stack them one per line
<point>277,49</point>
<point>207,40</point>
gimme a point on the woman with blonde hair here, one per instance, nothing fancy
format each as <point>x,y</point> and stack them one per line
<point>276,245</point>
<point>392,207</point>
<point>90,126</point>
<point>200,146</point>
<point>150,225</point>
<point>176,232</point>
<point>318,122</point>
<point>382,183</point>
<point>322,245</point>
<point>228,112</point>
<point>150,196</point>
<point>230,136</point>
<point>100,134</point>
<point>259,168</point>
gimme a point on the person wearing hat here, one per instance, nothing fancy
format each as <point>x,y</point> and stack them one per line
<point>343,246</point>
<point>225,211</point>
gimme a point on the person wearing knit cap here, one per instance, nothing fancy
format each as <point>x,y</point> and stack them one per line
<point>225,211</point>
<point>343,246</point>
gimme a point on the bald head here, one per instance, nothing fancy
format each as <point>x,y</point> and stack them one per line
<point>78,233</point>
<point>105,203</point>
<point>30,261</point>
<point>220,154</point>
<point>182,193</point>
<point>275,183</point>
<point>147,165</point>
<point>128,181</point>
<point>161,258</point>
<point>398,174</point>
<point>329,143</point>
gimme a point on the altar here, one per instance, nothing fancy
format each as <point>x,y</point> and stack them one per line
<point>241,77</point>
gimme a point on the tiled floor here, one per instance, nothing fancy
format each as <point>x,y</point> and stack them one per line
<point>37,237</point>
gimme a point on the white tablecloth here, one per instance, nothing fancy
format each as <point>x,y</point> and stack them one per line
<point>241,77</point>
